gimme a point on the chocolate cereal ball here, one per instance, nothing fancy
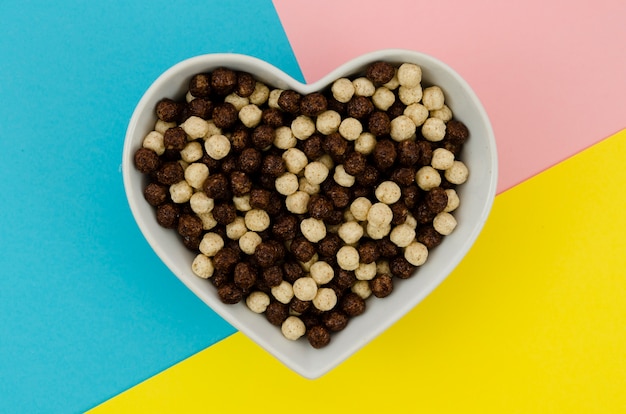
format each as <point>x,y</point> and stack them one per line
<point>380,72</point>
<point>381,286</point>
<point>168,110</point>
<point>312,146</point>
<point>225,260</point>
<point>174,139</point>
<point>272,276</point>
<point>292,271</point>
<point>200,85</point>
<point>250,160</point>
<point>352,304</point>
<point>354,163</point>
<point>359,107</point>
<point>379,124</point>
<point>146,160</point>
<point>167,215</point>
<point>313,104</point>
<point>329,245</point>
<point>223,81</point>
<point>436,199</point>
<point>240,183</point>
<point>428,236</point>
<point>384,154</point>
<point>285,227</point>
<point>190,225</point>
<point>239,139</point>
<point>155,194</point>
<point>230,293</point>
<point>368,251</point>
<point>276,313</point>
<point>289,101</point>
<point>217,187</point>
<point>244,276</point>
<point>302,249</point>
<point>224,213</point>
<point>273,117</point>
<point>335,320</point>
<point>318,336</point>
<point>245,84</point>
<point>262,136</point>
<point>225,115</point>
<point>400,267</point>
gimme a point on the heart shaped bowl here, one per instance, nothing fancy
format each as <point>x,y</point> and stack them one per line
<point>476,195</point>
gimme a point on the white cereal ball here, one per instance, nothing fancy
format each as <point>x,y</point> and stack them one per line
<point>307,186</point>
<point>383,98</point>
<point>347,216</point>
<point>321,272</point>
<point>359,208</point>
<point>258,301</point>
<point>236,228</point>
<point>306,266</point>
<point>363,87</point>
<point>433,98</point>
<point>237,101</point>
<point>202,266</point>
<point>409,75</point>
<point>260,95</point>
<point>402,128</point>
<point>365,143</point>
<point>249,241</point>
<point>242,203</point>
<point>305,288</point>
<point>314,230</point>
<point>293,328</point>
<point>316,172</point>
<point>302,127</point>
<point>348,258</point>
<point>402,235</point>
<point>211,243</point>
<point>195,127</point>
<point>365,271</point>
<point>410,96</point>
<point>272,100</point>
<point>208,221</point>
<point>295,160</point>
<point>417,113</point>
<point>457,173</point>
<point>342,90</point>
<point>283,138</point>
<point>434,129</point>
<point>287,183</point>
<point>162,126</point>
<point>213,129</point>
<point>394,83</point>
<point>325,299</point>
<point>189,97</point>
<point>283,292</point>
<point>217,146</point>
<point>297,203</point>
<point>388,192</point>
<point>362,288</point>
<point>379,214</point>
<point>201,203</point>
<point>442,159</point>
<point>342,178</point>
<point>350,129</point>
<point>427,177</point>
<point>416,253</point>
<point>250,115</point>
<point>154,141</point>
<point>328,122</point>
<point>444,223</point>
<point>196,173</point>
<point>327,160</point>
<point>350,232</point>
<point>382,267</point>
<point>181,192</point>
<point>377,231</point>
<point>410,221</point>
<point>453,200</point>
<point>192,152</point>
<point>445,113</point>
<point>257,219</point>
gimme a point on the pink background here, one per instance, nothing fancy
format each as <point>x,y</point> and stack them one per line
<point>541,69</point>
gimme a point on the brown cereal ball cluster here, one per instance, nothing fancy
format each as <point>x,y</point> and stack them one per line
<point>304,206</point>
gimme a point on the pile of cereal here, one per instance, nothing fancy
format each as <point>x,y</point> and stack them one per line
<point>303,206</point>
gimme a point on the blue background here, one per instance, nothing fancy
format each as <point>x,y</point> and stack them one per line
<point>87,310</point>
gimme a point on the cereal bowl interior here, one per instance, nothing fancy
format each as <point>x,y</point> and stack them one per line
<point>476,198</point>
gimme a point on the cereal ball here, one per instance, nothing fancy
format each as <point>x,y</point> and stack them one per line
<point>384,154</point>
<point>325,299</point>
<point>200,85</point>
<point>276,313</point>
<point>453,200</point>
<point>306,266</point>
<point>380,72</point>
<point>363,87</point>
<point>445,113</point>
<point>434,129</point>
<point>400,212</point>
<point>257,220</point>
<point>416,253</point>
<point>262,136</point>
<point>154,141</point>
<point>155,194</point>
<point>147,161</point>
<point>354,163</point>
<point>352,304</point>
<point>287,183</point>
<point>272,100</point>
<point>444,223</point>
<point>168,110</point>
<point>350,128</point>
<point>302,127</point>
<point>427,177</point>
<point>318,336</point>
<point>359,107</point>
<point>285,227</point>
<point>249,242</point>
<point>293,328</point>
<point>388,192</point>
<point>230,294</point>
<point>409,75</point>
<point>195,127</point>
<point>273,165</point>
<point>283,292</point>
<point>312,146</point>
<point>260,95</point>
<point>342,178</point>
<point>336,146</point>
<point>314,230</point>
<point>365,143</point>
<point>289,101</point>
<point>417,113</point>
<point>377,231</point>
<point>379,214</point>
<point>192,152</point>
<point>410,96</point>
<point>238,102</point>
<point>402,235</point>
<point>327,160</point>
<point>258,301</point>
<point>383,98</point>
<point>313,104</point>
<point>362,289</point>
<point>319,207</point>
<point>329,245</point>
<point>181,192</point>
<point>402,128</point>
<point>328,122</point>
<point>457,173</point>
<point>196,173</point>
<point>284,138</point>
<point>400,268</point>
<point>223,81</point>
<point>368,252</point>
<point>442,159</point>
<point>161,126</point>
<point>393,84</point>
<point>236,228</point>
<point>433,98</point>
<point>295,160</point>
<point>381,286</point>
<point>273,117</point>
<point>456,132</point>
<point>315,172</point>
<point>350,232</point>
<point>348,258</point>
<point>342,90</point>
<point>335,320</point>
<point>202,266</point>
<point>272,276</point>
<point>321,272</point>
<point>305,288</point>
<point>297,202</point>
<point>217,146</point>
<point>242,203</point>
<point>208,221</point>
<point>365,271</point>
<point>211,243</point>
<point>250,115</point>
<point>429,237</point>
<point>340,196</point>
<point>245,276</point>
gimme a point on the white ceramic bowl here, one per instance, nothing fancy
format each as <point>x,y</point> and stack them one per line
<point>476,195</point>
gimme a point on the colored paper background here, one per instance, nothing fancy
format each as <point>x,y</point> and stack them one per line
<point>87,311</point>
